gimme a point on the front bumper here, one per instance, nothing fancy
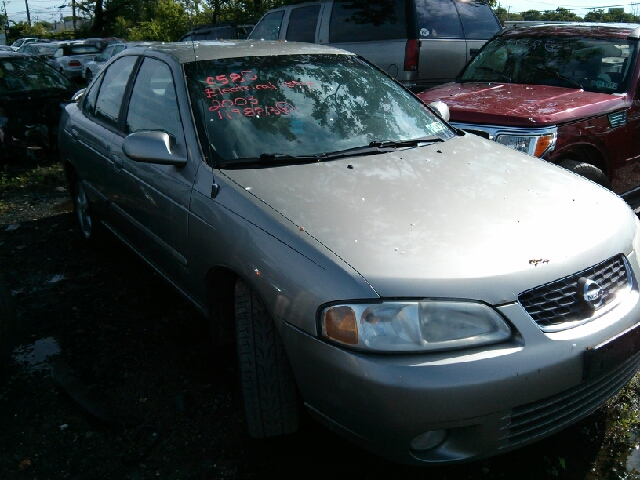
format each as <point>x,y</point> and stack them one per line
<point>488,400</point>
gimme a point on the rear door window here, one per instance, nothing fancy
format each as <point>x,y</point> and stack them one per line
<point>269,27</point>
<point>154,92</point>
<point>112,89</point>
<point>302,24</point>
<point>367,20</point>
<point>478,20</point>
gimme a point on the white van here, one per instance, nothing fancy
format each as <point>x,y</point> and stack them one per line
<point>422,43</point>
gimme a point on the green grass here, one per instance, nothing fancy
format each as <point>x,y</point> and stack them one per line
<point>35,178</point>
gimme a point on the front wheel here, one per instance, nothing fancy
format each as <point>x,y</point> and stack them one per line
<point>266,379</point>
<point>8,325</point>
<point>86,220</point>
<point>586,170</point>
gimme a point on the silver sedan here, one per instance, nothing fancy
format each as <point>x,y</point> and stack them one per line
<point>431,295</point>
<point>70,58</point>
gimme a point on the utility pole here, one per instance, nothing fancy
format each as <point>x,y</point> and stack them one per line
<point>26,4</point>
<point>73,12</point>
<point>5,22</point>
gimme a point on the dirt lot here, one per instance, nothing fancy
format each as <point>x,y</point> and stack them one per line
<point>141,361</point>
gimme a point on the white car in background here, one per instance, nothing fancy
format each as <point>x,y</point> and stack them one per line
<point>21,41</point>
<point>70,58</point>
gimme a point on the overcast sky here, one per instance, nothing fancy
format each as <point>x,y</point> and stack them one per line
<point>49,10</point>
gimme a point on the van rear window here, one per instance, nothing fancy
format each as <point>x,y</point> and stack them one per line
<point>368,20</point>
<point>478,20</point>
<point>438,19</point>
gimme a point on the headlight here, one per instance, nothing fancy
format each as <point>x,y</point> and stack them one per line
<point>425,326</point>
<point>536,145</point>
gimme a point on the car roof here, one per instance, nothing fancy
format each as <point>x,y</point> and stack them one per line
<point>219,49</point>
<point>210,26</point>
<point>582,29</point>
<point>6,53</point>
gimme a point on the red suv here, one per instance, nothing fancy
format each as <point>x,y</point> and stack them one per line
<point>567,93</point>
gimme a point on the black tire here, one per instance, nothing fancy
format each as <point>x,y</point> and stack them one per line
<point>586,170</point>
<point>266,379</point>
<point>7,327</point>
<point>89,227</point>
<point>88,76</point>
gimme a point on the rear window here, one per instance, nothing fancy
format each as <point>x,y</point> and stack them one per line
<point>478,20</point>
<point>80,49</point>
<point>302,24</point>
<point>368,20</point>
<point>438,19</point>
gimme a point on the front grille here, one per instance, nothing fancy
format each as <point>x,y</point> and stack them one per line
<point>544,417</point>
<point>558,305</point>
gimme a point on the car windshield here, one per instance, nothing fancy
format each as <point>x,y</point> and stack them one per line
<point>592,64</point>
<point>302,105</point>
<point>28,74</point>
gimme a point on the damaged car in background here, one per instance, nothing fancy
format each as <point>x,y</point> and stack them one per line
<point>568,93</point>
<point>32,96</point>
<point>431,295</point>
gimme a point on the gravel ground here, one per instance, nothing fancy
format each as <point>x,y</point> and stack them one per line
<point>144,395</point>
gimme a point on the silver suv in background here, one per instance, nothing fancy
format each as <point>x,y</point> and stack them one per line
<point>422,43</point>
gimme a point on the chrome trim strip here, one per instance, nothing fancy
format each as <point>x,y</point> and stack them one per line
<point>494,130</point>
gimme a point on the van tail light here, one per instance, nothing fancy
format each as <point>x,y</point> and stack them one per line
<point>74,63</point>
<point>412,55</point>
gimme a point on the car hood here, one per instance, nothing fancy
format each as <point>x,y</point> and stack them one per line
<point>466,218</point>
<point>520,105</point>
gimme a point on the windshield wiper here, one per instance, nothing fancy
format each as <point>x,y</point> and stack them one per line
<point>559,76</point>
<point>374,148</point>
<point>414,142</point>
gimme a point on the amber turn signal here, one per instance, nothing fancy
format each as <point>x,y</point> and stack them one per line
<point>543,144</point>
<point>340,325</point>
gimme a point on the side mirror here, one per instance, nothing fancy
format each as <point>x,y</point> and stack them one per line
<point>442,109</point>
<point>78,95</point>
<point>151,147</point>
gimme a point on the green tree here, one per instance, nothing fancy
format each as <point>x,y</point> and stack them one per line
<point>503,14</point>
<point>23,29</point>
<point>532,15</point>
<point>613,15</point>
<point>560,15</point>
<point>168,20</point>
